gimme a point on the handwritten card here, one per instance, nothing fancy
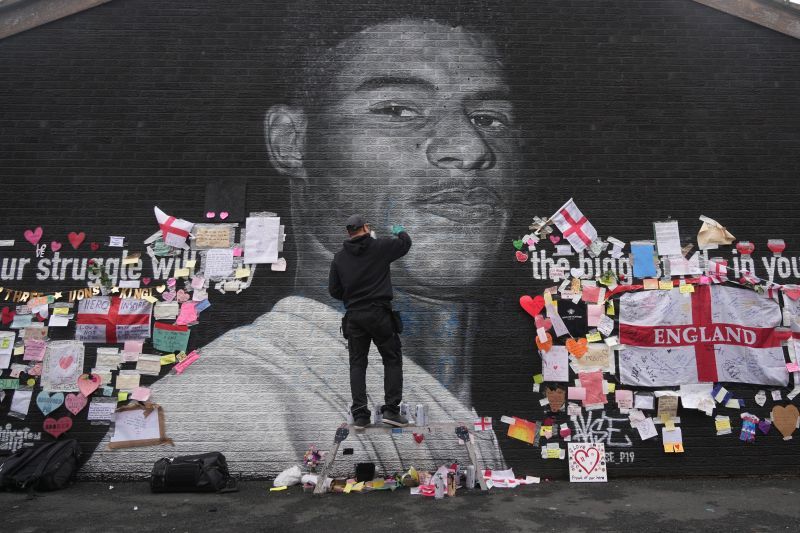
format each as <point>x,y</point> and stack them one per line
<point>555,364</point>
<point>261,240</point>
<point>587,462</point>
<point>62,366</point>
<point>218,263</point>
<point>170,338</point>
<point>207,236</point>
<point>34,350</point>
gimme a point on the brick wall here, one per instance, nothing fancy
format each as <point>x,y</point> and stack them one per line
<point>641,111</point>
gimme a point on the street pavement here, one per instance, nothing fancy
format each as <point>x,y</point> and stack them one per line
<point>694,504</point>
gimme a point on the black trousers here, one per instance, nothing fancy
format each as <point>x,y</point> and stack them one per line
<point>363,326</point>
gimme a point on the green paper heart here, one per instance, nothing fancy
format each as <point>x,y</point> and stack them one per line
<point>518,244</point>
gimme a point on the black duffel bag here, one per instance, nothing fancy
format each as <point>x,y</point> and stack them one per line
<point>207,472</point>
<point>50,466</point>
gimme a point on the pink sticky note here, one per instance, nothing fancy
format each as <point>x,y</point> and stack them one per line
<point>576,393</point>
<point>705,280</point>
<point>198,282</point>
<point>141,394</point>
<point>133,346</point>
<point>590,294</point>
<point>594,312</point>
<point>237,252</point>
<point>34,350</point>
<point>792,367</point>
<point>624,398</point>
<point>188,314</point>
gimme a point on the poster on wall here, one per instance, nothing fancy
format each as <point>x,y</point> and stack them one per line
<point>587,462</point>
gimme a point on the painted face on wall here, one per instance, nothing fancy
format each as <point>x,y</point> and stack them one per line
<point>416,127</point>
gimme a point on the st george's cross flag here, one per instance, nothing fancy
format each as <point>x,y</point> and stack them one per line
<point>575,227</point>
<point>174,231</point>
<point>717,333</point>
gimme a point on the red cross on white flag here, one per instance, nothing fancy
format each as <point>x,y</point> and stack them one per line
<point>483,423</point>
<point>173,230</point>
<point>717,333</point>
<point>575,227</point>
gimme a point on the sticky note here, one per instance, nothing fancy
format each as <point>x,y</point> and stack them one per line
<point>594,336</point>
<point>237,252</point>
<point>665,284</point>
<point>61,310</point>
<point>576,393</point>
<point>650,284</point>
<point>792,367</point>
<point>538,378</point>
<point>611,387</point>
<point>122,396</point>
<point>167,359</point>
<point>149,298</point>
<point>190,263</point>
<point>181,272</point>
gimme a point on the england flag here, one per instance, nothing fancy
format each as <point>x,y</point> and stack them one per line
<point>575,227</point>
<point>717,333</point>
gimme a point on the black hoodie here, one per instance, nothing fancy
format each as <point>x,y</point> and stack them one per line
<point>360,271</point>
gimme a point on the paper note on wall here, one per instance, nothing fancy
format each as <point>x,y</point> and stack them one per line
<point>261,240</point>
<point>218,263</point>
<point>642,255</point>
<point>170,338</point>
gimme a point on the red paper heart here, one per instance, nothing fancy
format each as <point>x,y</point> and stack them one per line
<point>532,306</point>
<point>585,459</point>
<point>554,239</point>
<point>182,296</point>
<point>542,322</point>
<point>223,215</point>
<point>57,427</point>
<point>94,246</point>
<point>7,316</point>
<point>146,281</point>
<point>419,437</point>
<point>88,383</point>
<point>521,256</point>
<point>65,362</point>
<point>75,239</point>
<point>75,402</point>
<point>55,246</point>
<point>34,236</point>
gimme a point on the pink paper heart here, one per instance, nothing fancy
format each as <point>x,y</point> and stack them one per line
<point>88,383</point>
<point>75,403</point>
<point>168,296</point>
<point>75,239</point>
<point>554,239</point>
<point>171,282</point>
<point>211,214</point>
<point>182,296</point>
<point>146,281</point>
<point>57,427</point>
<point>542,322</point>
<point>223,215</point>
<point>34,236</point>
<point>55,246</point>
<point>66,362</point>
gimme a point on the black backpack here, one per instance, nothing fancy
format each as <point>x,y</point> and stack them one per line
<point>207,472</point>
<point>50,466</point>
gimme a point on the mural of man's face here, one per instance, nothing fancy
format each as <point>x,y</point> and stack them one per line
<point>416,127</point>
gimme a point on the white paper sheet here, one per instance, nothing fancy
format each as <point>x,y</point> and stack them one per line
<point>218,263</point>
<point>261,240</point>
<point>133,425</point>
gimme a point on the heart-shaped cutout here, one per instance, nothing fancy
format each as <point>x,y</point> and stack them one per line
<point>518,244</point>
<point>66,361</point>
<point>88,383</point>
<point>33,236</point>
<point>171,282</point>
<point>7,316</point>
<point>556,398</point>
<point>418,437</point>
<point>48,403</point>
<point>76,239</point>
<point>161,288</point>
<point>57,427</point>
<point>587,459</point>
<point>182,296</point>
<point>145,281</point>
<point>577,347</point>
<point>55,246</point>
<point>544,346</point>
<point>542,322</point>
<point>554,239</point>
<point>521,256</point>
<point>577,272</point>
<point>784,418</point>
<point>223,215</point>
<point>75,402</point>
<point>168,296</point>
<point>94,246</point>
<point>532,306</point>
<point>210,214</point>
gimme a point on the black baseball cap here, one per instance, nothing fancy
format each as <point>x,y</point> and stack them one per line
<point>355,221</point>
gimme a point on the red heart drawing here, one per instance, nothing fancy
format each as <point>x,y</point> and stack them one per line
<point>55,246</point>
<point>211,214</point>
<point>34,236</point>
<point>66,362</point>
<point>542,322</point>
<point>94,246</point>
<point>57,427</point>
<point>521,256</point>
<point>532,306</point>
<point>223,215</point>
<point>585,460</point>
<point>554,239</point>
<point>88,383</point>
<point>7,316</point>
<point>75,403</point>
<point>146,281</point>
<point>75,239</point>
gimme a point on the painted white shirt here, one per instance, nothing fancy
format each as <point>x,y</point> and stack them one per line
<point>262,394</point>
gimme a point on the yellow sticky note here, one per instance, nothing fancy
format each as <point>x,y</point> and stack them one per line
<point>594,337</point>
<point>553,453</point>
<point>665,284</point>
<point>545,430</point>
<point>130,260</point>
<point>610,310</point>
<point>190,263</point>
<point>122,396</point>
<point>181,272</point>
<point>167,359</point>
<point>149,298</point>
<point>5,343</point>
<point>242,272</point>
<point>687,289</point>
<point>723,424</point>
<point>669,448</point>
<point>538,378</point>
<point>650,284</point>
<point>19,350</point>
<point>61,310</point>
<point>611,387</point>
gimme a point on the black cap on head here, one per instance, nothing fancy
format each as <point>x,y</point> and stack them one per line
<point>355,221</point>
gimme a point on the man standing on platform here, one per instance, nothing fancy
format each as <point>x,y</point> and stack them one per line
<point>360,276</point>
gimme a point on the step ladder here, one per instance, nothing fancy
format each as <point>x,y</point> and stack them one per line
<point>461,431</point>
